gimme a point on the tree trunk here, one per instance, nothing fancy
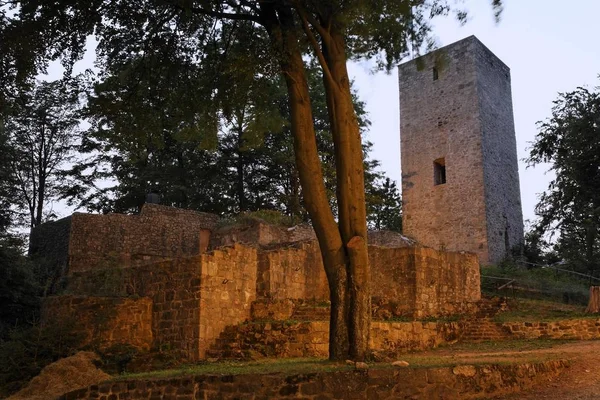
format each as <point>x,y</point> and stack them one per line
<point>281,28</point>
<point>350,190</point>
<point>594,303</point>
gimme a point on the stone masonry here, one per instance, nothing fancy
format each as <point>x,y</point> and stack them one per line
<point>155,284</point>
<point>460,182</point>
<point>91,241</point>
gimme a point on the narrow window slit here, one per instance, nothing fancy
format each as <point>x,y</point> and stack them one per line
<point>439,171</point>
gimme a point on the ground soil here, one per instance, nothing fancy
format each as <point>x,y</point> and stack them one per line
<point>63,376</point>
<point>581,381</point>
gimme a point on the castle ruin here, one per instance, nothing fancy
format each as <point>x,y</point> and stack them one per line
<point>188,282</point>
<point>460,180</point>
<point>180,280</point>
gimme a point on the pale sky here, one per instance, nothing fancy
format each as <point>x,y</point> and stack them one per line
<point>550,47</point>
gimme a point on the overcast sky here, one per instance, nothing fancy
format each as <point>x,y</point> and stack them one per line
<point>550,48</point>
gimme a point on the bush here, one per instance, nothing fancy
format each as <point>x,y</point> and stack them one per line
<point>19,291</point>
<point>28,350</point>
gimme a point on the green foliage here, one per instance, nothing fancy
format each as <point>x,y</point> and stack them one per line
<point>270,216</point>
<point>384,205</point>
<point>536,283</point>
<point>18,287</point>
<point>570,142</point>
<point>28,350</point>
<point>532,310</point>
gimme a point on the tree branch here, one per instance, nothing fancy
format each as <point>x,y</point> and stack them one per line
<point>217,14</point>
<point>315,45</point>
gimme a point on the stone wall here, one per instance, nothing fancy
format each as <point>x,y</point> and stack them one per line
<point>455,106</point>
<point>579,329</point>
<point>228,279</point>
<point>293,272</point>
<point>462,381</point>
<point>104,321</point>
<point>157,233</point>
<point>499,148</point>
<point>260,233</point>
<point>405,281</point>
<point>192,298</point>
<point>93,241</point>
<point>287,339</point>
<point>422,282</point>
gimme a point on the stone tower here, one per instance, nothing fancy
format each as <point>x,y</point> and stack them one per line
<point>460,179</point>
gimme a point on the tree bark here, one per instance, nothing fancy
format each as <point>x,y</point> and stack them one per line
<point>594,302</point>
<point>350,190</point>
<point>279,22</point>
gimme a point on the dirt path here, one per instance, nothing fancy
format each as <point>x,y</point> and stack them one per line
<point>579,382</point>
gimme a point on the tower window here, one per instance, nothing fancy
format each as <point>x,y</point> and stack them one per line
<point>435,74</point>
<point>439,171</point>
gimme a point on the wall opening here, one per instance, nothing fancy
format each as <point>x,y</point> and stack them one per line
<point>439,171</point>
<point>435,74</point>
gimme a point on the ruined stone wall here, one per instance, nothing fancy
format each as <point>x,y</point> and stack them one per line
<point>289,339</point>
<point>49,248</point>
<point>293,272</point>
<point>193,298</point>
<point>173,287</point>
<point>104,321</point>
<point>421,282</point>
<point>259,233</point>
<point>499,147</point>
<point>228,279</point>
<point>455,105</point>
<point>408,281</point>
<point>158,233</point>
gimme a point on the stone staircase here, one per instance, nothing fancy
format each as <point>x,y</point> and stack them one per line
<point>296,330</point>
<point>481,327</point>
<point>275,329</point>
<point>483,330</point>
<point>488,307</point>
<point>311,312</point>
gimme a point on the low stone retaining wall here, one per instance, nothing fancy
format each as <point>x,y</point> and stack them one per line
<point>311,339</point>
<point>409,336</point>
<point>465,381</point>
<point>580,329</point>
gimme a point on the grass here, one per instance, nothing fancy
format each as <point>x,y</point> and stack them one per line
<point>437,358</point>
<point>266,366</point>
<point>540,283</point>
<point>530,310</point>
<point>504,345</point>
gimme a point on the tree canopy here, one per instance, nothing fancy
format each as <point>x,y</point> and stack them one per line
<point>279,37</point>
<point>570,142</point>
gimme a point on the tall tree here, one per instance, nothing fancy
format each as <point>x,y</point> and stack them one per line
<point>570,142</point>
<point>41,131</point>
<point>334,31</point>
<point>384,205</point>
